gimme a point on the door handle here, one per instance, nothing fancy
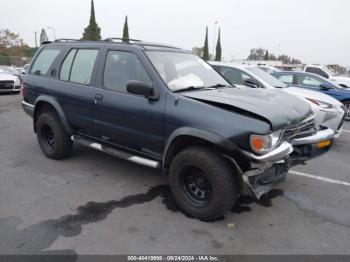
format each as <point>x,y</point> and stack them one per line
<point>98,98</point>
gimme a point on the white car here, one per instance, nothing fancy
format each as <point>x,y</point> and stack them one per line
<point>327,73</point>
<point>329,111</point>
<point>9,83</point>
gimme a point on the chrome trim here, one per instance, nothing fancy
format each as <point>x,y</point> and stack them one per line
<point>314,139</point>
<point>278,153</point>
<point>115,152</point>
<point>27,104</point>
<point>144,161</point>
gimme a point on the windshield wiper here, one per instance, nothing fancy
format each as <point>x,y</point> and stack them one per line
<point>189,88</point>
<point>219,85</point>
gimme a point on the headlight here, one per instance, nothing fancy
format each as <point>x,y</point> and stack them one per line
<point>321,104</point>
<point>264,143</point>
<point>17,82</point>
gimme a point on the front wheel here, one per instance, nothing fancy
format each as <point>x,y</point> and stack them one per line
<point>203,183</point>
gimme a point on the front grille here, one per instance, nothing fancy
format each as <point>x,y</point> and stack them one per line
<point>302,129</point>
<point>6,84</point>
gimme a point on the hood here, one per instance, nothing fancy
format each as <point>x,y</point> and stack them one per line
<point>8,77</point>
<point>341,80</point>
<point>305,93</point>
<point>275,106</point>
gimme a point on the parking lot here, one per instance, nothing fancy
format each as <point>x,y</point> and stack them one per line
<point>93,203</point>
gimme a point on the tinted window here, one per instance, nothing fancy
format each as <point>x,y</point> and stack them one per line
<point>67,65</point>
<point>288,79</point>
<point>317,71</point>
<point>121,67</point>
<point>44,61</point>
<point>83,66</point>
<point>234,76</point>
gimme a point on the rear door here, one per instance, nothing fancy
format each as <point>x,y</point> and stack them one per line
<point>126,120</point>
<point>73,87</point>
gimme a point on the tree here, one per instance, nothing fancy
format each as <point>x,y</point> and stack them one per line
<point>218,48</point>
<point>126,31</point>
<point>256,54</point>
<point>206,46</point>
<point>198,51</point>
<point>9,39</point>
<point>267,57</point>
<point>92,32</point>
<point>43,36</point>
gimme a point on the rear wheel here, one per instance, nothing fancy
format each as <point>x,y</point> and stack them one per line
<point>202,183</point>
<point>52,137</point>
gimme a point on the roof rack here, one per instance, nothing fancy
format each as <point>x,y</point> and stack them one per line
<point>46,42</point>
<point>66,40</point>
<point>112,39</point>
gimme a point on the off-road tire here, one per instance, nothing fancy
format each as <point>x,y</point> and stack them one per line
<point>224,188</point>
<point>63,145</point>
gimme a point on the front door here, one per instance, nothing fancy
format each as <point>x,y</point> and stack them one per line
<point>129,121</point>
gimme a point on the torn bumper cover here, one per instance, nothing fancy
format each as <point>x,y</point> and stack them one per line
<point>269,169</point>
<point>266,170</point>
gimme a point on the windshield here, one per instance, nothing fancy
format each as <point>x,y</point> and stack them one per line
<point>183,71</point>
<point>269,79</point>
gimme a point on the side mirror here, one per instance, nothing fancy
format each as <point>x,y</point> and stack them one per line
<point>325,86</point>
<point>251,82</point>
<point>140,88</point>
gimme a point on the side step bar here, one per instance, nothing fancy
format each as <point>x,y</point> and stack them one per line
<point>109,150</point>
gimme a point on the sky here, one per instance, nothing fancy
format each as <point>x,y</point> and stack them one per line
<point>314,31</point>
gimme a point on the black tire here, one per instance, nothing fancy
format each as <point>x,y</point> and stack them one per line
<point>208,200</point>
<point>347,107</point>
<point>53,139</point>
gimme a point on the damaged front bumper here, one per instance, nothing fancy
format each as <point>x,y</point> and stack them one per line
<point>267,170</point>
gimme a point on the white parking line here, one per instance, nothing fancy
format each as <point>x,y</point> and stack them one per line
<point>347,131</point>
<point>324,179</point>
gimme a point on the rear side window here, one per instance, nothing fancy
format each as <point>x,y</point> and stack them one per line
<point>44,61</point>
<point>67,65</point>
<point>78,66</point>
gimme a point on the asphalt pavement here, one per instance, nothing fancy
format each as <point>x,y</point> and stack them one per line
<point>93,203</point>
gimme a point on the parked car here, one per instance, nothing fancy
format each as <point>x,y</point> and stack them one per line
<point>10,70</point>
<point>327,73</point>
<point>165,108</point>
<point>8,82</point>
<point>329,112</point>
<point>317,83</point>
<point>269,69</point>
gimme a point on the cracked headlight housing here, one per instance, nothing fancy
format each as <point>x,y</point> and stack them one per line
<point>262,144</point>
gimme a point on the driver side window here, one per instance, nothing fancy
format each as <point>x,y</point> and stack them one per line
<point>309,81</point>
<point>122,67</point>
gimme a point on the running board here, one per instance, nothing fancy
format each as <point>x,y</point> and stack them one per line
<point>114,152</point>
